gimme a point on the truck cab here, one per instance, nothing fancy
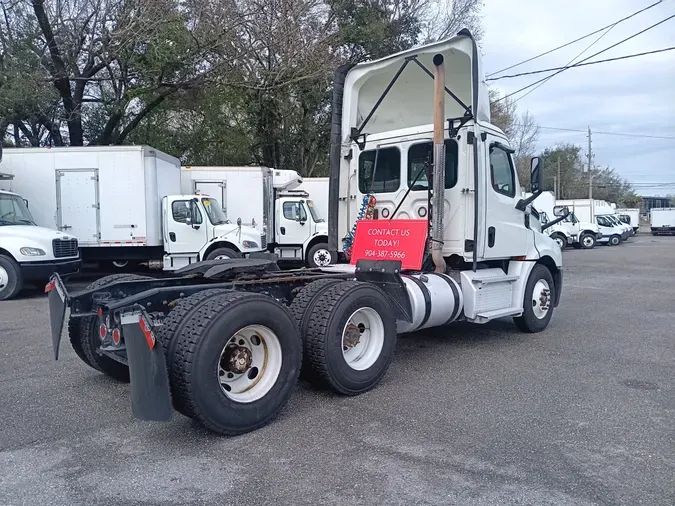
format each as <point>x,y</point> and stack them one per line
<point>195,228</point>
<point>612,233</point>
<point>627,230</point>
<point>558,232</point>
<point>30,254</point>
<point>585,235</point>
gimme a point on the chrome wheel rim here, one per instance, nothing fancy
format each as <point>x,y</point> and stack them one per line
<point>588,241</point>
<point>559,242</point>
<point>362,339</point>
<point>322,257</point>
<point>249,364</point>
<point>541,299</point>
<point>4,278</point>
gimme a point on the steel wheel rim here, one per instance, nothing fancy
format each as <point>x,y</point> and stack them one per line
<point>222,257</point>
<point>4,278</point>
<point>252,380</point>
<point>614,241</point>
<point>541,299</point>
<point>365,352</point>
<point>322,257</point>
<point>120,264</point>
<point>588,241</point>
<point>559,242</point>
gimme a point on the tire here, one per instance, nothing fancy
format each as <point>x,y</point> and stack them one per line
<point>172,326</point>
<point>530,321</point>
<point>84,337</point>
<point>222,253</point>
<point>614,240</point>
<point>197,361</point>
<point>320,256</point>
<point>301,309</point>
<point>11,281</point>
<point>561,240</point>
<point>587,241</point>
<point>351,302</point>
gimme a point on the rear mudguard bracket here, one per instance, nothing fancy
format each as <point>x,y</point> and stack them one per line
<point>386,275</point>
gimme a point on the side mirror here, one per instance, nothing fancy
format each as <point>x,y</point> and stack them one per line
<point>193,219</point>
<point>25,201</point>
<point>239,222</point>
<point>536,166</point>
<point>561,210</point>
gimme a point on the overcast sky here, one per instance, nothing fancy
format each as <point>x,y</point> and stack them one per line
<point>629,96</point>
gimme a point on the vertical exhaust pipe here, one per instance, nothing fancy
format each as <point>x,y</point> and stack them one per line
<point>438,176</point>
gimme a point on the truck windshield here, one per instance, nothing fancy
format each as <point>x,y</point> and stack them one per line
<point>604,221</point>
<point>214,211</point>
<point>312,210</point>
<point>13,211</point>
<point>571,218</point>
<point>543,217</point>
<point>625,218</point>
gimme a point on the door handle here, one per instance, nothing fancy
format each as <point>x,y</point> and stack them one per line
<point>491,236</point>
<point>282,230</point>
<point>172,236</point>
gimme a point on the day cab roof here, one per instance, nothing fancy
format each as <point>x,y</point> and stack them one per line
<point>409,102</point>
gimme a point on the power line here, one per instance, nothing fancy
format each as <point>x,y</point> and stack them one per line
<point>625,57</point>
<point>588,57</point>
<point>575,40</point>
<point>623,134</point>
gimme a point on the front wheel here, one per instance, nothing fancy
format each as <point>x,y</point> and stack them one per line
<point>560,240</point>
<point>320,256</point>
<point>615,240</point>
<point>587,241</point>
<point>222,254</point>
<point>537,302</point>
<point>11,281</point>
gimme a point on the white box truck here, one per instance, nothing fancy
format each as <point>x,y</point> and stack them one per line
<point>571,231</point>
<point>124,204</point>
<point>662,220</point>
<point>270,200</point>
<point>630,216</point>
<point>29,254</point>
<point>613,231</point>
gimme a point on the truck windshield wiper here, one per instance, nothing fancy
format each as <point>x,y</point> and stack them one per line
<point>25,221</point>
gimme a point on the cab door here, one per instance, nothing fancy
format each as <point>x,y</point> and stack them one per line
<point>506,233</point>
<point>293,227</point>
<point>185,227</point>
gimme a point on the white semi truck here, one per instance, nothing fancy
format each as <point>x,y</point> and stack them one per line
<point>270,200</point>
<point>124,205</point>
<point>29,254</point>
<point>223,342</point>
<point>662,220</point>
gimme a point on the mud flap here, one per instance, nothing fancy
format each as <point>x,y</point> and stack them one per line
<point>58,301</point>
<point>150,394</point>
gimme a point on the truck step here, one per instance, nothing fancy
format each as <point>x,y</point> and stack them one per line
<point>493,279</point>
<point>486,316</point>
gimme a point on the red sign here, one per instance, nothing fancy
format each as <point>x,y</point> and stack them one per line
<point>402,240</point>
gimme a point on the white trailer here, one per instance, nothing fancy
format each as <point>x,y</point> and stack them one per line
<point>123,203</point>
<point>662,220</point>
<point>630,216</point>
<point>220,347</point>
<point>272,201</point>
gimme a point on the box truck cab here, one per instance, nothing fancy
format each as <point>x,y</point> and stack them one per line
<point>612,234</point>
<point>626,230</point>
<point>631,217</point>
<point>30,254</point>
<point>271,201</point>
<point>558,232</point>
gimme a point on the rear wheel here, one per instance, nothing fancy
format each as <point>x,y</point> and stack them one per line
<point>587,241</point>
<point>236,362</point>
<point>351,336</point>
<point>301,308</point>
<point>11,281</point>
<point>537,301</point>
<point>85,339</point>
<point>615,240</point>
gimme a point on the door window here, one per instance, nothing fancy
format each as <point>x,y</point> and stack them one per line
<point>419,155</point>
<point>502,174</point>
<point>180,210</point>
<point>294,211</point>
<point>386,177</point>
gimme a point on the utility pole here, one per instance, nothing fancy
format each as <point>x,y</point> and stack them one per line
<point>559,181</point>
<point>555,187</point>
<point>590,174</point>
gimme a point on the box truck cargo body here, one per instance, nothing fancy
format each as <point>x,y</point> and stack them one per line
<point>662,220</point>
<point>317,188</point>
<point>630,216</point>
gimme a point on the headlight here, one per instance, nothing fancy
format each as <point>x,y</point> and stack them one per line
<point>31,252</point>
<point>249,244</point>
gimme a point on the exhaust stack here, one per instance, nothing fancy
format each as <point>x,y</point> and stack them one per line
<point>438,176</point>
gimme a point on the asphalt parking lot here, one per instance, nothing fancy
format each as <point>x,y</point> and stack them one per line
<point>581,414</point>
